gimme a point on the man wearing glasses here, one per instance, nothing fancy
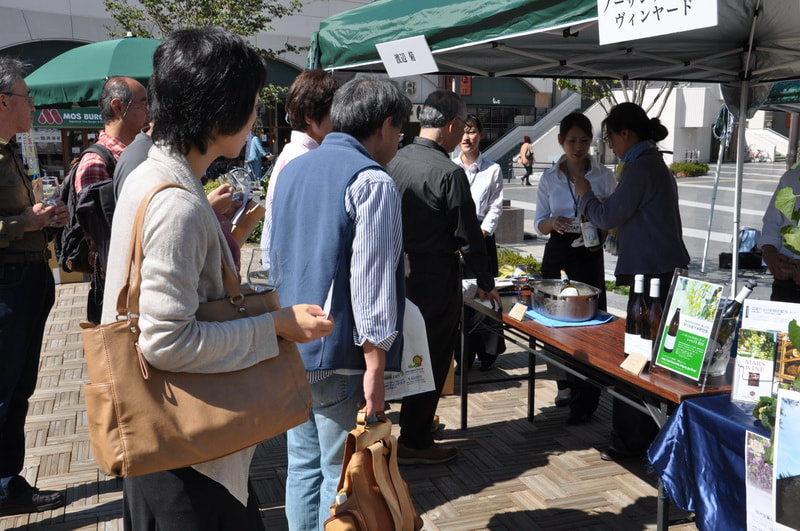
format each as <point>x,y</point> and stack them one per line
<point>123,107</point>
<point>439,221</point>
<point>27,292</point>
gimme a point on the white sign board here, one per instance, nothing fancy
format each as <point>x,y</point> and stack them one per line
<point>407,57</point>
<point>627,20</point>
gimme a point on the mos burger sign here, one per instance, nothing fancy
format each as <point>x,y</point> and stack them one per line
<point>76,118</point>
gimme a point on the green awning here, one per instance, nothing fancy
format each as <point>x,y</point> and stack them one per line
<point>784,92</point>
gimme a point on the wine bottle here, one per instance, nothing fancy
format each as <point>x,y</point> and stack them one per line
<point>730,315</point>
<point>589,231</point>
<point>635,319</point>
<point>567,287</point>
<point>654,313</point>
<point>672,331</point>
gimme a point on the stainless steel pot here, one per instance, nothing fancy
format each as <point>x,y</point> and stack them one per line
<point>548,301</point>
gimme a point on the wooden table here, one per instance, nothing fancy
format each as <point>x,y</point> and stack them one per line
<point>593,354</point>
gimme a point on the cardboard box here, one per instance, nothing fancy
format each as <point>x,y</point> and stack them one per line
<point>61,276</point>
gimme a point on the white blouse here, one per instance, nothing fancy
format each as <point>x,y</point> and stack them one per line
<point>486,185</point>
<point>556,195</point>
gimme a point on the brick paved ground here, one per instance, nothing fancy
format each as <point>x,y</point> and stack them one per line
<point>510,474</point>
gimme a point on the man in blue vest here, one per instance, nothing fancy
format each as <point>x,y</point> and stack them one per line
<point>337,241</point>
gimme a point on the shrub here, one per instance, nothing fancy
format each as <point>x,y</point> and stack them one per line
<point>509,257</point>
<point>611,286</point>
<point>688,169</point>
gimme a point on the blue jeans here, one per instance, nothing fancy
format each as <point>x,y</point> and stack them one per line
<point>316,451</point>
<point>27,293</point>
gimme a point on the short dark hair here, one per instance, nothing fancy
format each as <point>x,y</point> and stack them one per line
<point>11,71</point>
<point>440,107</point>
<point>310,95</point>
<point>473,119</point>
<point>114,87</point>
<point>576,119</point>
<point>630,116</point>
<point>204,84</point>
<point>360,107</point>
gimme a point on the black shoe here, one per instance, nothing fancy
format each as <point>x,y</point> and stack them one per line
<point>564,397</point>
<point>32,501</point>
<point>612,454</point>
<point>578,417</point>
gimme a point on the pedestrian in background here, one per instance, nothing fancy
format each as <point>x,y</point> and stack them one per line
<point>527,159</point>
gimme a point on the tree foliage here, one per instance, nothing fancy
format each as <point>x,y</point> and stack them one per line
<point>157,18</point>
<point>601,90</point>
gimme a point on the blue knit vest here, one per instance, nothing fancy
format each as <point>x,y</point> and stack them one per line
<point>312,241</point>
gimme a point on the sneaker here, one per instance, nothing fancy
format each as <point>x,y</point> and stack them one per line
<point>32,501</point>
<point>432,455</point>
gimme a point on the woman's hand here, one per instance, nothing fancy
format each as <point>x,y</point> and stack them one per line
<point>302,323</point>
<point>221,199</point>
<point>562,224</point>
<point>582,184</point>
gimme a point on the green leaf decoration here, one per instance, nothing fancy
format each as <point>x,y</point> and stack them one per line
<point>796,383</point>
<point>794,333</point>
<point>784,201</point>
<point>791,238</point>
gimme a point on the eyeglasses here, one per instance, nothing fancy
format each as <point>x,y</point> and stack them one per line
<point>26,96</point>
<point>131,102</point>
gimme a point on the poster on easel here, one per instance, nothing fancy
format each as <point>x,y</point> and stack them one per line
<point>689,325</point>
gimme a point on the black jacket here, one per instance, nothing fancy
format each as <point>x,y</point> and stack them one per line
<point>438,212</point>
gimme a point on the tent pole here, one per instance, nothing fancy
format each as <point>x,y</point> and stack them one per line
<point>737,189</point>
<point>713,202</point>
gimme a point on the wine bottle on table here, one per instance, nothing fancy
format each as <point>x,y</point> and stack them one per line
<point>590,237</point>
<point>567,287</point>
<point>635,319</point>
<point>672,331</point>
<point>654,313</point>
<point>730,315</point>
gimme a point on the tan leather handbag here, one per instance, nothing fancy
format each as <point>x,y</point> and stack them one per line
<point>372,494</point>
<point>143,420</point>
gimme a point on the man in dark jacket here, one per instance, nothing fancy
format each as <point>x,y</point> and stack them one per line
<point>27,292</point>
<point>438,221</point>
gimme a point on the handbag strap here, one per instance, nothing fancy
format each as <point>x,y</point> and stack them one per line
<point>128,299</point>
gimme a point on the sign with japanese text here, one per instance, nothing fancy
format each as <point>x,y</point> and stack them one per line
<point>28,149</point>
<point>627,20</point>
<point>407,57</point>
<point>75,118</point>
<point>687,333</point>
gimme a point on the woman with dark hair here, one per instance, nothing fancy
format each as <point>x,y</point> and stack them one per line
<point>557,216</point>
<point>486,187</point>
<point>204,88</point>
<point>527,159</point>
<point>644,209</point>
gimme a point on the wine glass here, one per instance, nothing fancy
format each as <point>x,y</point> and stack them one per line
<point>50,195</point>
<point>262,276</point>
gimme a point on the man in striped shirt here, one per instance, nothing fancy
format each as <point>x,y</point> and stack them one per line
<point>123,107</point>
<point>337,241</point>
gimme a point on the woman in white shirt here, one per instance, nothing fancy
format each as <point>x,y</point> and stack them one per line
<point>557,215</point>
<point>486,185</point>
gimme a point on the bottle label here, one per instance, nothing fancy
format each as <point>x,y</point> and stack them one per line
<point>633,343</point>
<point>647,346</point>
<point>590,237</point>
<point>669,342</point>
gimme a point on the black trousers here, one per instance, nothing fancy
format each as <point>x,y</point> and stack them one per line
<point>27,292</point>
<point>180,499</point>
<point>785,291</point>
<point>585,266</point>
<point>435,286</point>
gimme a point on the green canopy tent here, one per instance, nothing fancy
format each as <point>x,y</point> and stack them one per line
<point>77,76</point>
<point>754,43</point>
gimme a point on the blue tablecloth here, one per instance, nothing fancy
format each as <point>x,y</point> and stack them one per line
<point>600,318</point>
<point>699,455</point>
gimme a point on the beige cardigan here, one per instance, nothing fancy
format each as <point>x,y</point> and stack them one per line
<point>183,248</point>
